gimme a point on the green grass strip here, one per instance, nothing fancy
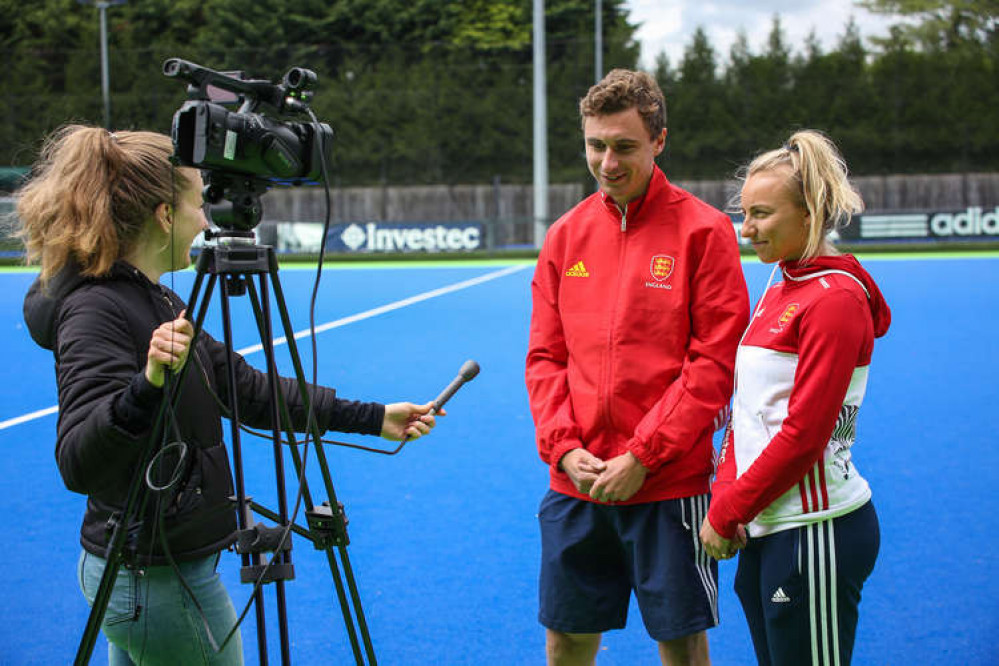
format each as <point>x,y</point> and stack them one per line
<point>334,263</point>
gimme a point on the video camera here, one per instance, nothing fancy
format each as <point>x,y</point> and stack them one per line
<point>245,152</point>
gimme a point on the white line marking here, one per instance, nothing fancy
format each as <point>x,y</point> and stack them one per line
<point>361,316</point>
<point>374,312</point>
<point>28,417</point>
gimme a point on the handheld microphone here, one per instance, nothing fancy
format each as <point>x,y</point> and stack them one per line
<point>469,369</point>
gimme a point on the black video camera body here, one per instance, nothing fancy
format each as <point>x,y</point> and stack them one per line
<point>208,136</point>
<point>245,152</point>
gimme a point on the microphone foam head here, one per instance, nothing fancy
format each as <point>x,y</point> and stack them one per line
<point>469,369</point>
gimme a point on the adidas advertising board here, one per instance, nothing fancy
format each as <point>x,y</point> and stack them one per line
<point>375,237</point>
<point>974,222</point>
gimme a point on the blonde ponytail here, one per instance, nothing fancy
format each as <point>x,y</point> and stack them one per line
<point>91,195</point>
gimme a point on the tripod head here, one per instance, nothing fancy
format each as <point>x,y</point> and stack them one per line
<point>234,200</point>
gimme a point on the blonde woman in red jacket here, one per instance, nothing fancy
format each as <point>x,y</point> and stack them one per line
<point>786,474</point>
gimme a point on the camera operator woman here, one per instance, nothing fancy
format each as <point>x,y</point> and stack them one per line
<point>106,215</point>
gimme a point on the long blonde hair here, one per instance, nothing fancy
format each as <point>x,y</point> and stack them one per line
<point>818,181</point>
<point>91,195</point>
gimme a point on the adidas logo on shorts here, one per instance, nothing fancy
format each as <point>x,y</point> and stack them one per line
<point>780,597</point>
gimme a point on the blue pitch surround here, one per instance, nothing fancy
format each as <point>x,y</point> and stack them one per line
<point>443,536</point>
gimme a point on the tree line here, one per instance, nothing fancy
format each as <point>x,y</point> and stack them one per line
<point>429,92</point>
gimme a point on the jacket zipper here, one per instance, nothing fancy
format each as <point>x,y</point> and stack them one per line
<point>169,304</point>
<point>608,416</point>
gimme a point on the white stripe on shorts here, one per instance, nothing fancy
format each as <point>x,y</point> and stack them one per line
<point>702,561</point>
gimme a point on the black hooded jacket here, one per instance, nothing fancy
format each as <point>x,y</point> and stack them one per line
<point>99,332</point>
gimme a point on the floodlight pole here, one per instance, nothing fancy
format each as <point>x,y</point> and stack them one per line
<point>540,127</point>
<point>102,6</point>
<point>598,43</point>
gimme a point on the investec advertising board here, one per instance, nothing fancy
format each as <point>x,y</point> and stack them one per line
<point>379,237</point>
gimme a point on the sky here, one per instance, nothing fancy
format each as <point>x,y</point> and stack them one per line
<point>669,25</point>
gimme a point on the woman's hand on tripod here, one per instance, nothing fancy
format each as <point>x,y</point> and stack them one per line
<point>168,348</point>
<point>404,420</point>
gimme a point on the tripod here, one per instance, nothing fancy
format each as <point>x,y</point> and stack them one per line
<point>236,265</point>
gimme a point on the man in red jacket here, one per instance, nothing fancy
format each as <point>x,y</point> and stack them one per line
<point>638,304</point>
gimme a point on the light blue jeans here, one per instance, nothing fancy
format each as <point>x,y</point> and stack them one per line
<point>151,619</point>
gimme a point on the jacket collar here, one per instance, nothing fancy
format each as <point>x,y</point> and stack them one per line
<point>659,192</point>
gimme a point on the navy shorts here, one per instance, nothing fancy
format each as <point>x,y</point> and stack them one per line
<point>800,589</point>
<point>594,555</point>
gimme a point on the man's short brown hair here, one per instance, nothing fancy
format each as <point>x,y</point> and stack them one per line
<point>623,89</point>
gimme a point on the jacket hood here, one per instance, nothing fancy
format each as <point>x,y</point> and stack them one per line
<point>41,304</point>
<point>847,263</point>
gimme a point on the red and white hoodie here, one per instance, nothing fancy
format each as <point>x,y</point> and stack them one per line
<point>801,374</point>
<point>636,318</point>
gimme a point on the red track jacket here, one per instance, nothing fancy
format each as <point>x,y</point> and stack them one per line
<point>634,330</point>
<point>802,368</point>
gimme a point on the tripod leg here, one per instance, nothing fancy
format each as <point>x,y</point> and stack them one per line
<point>327,481</point>
<point>243,512</point>
<point>97,611</point>
<point>283,556</point>
<point>349,622</point>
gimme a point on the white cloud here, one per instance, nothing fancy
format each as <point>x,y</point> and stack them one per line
<point>669,25</point>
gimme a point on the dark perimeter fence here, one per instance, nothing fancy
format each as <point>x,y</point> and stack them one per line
<point>939,211</point>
